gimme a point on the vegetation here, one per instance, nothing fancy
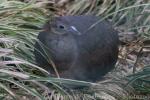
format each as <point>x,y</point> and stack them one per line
<point>20,23</point>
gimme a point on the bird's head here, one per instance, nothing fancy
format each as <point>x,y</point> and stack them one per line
<point>60,26</point>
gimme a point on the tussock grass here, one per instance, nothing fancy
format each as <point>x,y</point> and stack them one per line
<point>20,23</point>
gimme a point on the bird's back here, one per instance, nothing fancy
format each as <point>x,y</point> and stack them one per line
<point>97,48</point>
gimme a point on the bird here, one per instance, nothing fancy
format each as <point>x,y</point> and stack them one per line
<point>82,47</point>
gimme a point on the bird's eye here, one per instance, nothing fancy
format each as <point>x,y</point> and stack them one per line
<point>61,26</point>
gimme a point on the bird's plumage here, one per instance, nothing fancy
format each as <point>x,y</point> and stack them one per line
<point>78,50</point>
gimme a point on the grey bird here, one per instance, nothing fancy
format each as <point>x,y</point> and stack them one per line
<point>82,47</point>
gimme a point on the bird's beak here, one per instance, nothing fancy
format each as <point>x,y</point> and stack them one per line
<point>74,30</point>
